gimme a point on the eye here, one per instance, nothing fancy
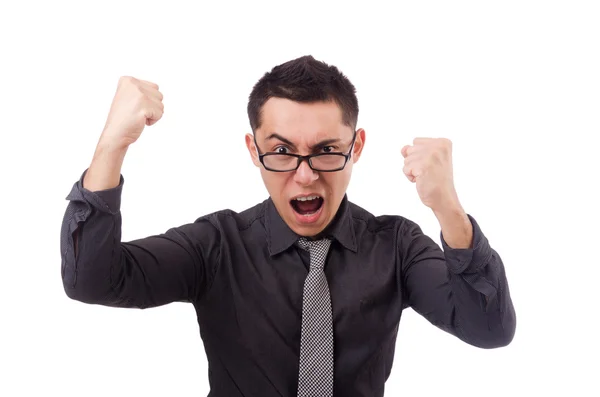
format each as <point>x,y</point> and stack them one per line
<point>281,150</point>
<point>328,149</point>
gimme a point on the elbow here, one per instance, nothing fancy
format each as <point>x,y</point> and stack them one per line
<point>498,339</point>
<point>85,286</point>
<point>501,335</point>
<point>80,292</point>
<point>69,281</point>
<point>94,283</point>
<point>75,293</point>
<point>509,327</point>
<point>490,339</point>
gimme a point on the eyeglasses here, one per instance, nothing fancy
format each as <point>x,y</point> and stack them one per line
<point>321,162</point>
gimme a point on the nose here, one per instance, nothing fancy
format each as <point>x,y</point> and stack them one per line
<point>304,175</point>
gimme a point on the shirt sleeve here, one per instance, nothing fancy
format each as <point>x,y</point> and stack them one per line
<point>462,291</point>
<point>98,268</point>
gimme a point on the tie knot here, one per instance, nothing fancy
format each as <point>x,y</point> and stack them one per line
<point>314,245</point>
<point>317,248</point>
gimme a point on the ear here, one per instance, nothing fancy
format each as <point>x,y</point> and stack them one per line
<point>252,149</point>
<point>359,144</point>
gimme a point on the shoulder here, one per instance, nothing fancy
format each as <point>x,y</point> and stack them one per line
<point>229,218</point>
<point>366,222</point>
<point>210,230</point>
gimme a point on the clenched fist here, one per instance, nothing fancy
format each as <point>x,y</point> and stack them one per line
<point>428,164</point>
<point>137,103</point>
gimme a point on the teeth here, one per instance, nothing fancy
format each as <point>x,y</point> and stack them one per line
<point>307,198</point>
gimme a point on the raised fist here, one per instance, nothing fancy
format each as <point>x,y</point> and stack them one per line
<point>137,103</point>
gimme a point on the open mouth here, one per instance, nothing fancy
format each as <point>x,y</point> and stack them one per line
<point>308,205</point>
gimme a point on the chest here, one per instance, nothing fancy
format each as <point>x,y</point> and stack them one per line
<point>264,293</point>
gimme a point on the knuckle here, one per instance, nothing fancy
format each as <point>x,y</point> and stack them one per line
<point>126,79</point>
<point>140,94</point>
<point>442,148</point>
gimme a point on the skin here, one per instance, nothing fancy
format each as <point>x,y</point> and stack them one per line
<point>428,164</point>
<point>305,125</point>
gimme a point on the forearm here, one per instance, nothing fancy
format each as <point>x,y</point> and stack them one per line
<point>97,267</point>
<point>484,312</point>
<point>105,169</point>
<point>485,316</point>
<point>90,242</point>
<point>456,227</point>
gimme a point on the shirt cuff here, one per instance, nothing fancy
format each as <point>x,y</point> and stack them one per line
<point>108,200</point>
<point>468,260</point>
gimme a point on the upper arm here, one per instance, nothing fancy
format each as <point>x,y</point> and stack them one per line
<point>426,280</point>
<point>147,272</point>
<point>174,266</point>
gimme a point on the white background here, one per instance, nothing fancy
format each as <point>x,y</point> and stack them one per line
<point>514,84</point>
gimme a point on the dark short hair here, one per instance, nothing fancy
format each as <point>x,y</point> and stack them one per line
<point>304,80</point>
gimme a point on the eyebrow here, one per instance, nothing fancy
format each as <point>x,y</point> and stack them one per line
<point>320,144</point>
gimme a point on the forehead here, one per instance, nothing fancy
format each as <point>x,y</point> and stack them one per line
<point>302,121</point>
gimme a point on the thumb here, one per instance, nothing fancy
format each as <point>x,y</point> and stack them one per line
<point>408,174</point>
<point>152,114</point>
<point>404,151</point>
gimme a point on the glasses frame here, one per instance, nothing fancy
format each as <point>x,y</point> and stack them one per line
<point>308,158</point>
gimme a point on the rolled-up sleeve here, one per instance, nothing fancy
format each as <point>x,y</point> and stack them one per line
<point>463,291</point>
<point>98,268</point>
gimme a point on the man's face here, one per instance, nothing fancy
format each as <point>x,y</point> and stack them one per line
<point>305,128</point>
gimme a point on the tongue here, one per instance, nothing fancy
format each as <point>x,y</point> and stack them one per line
<point>308,206</point>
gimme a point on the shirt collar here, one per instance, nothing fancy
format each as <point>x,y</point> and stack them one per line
<point>280,237</point>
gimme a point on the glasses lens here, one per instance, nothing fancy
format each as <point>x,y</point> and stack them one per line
<point>280,162</point>
<point>327,162</point>
<point>324,162</point>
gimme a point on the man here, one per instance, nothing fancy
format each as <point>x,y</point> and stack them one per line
<point>301,294</point>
